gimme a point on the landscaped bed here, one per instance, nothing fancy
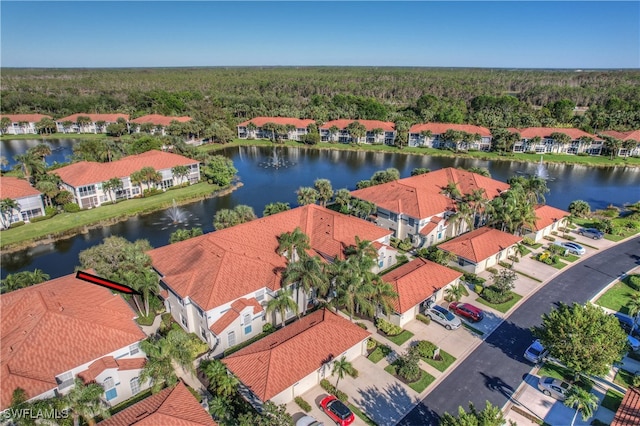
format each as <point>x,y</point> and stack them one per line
<point>618,297</point>
<point>419,385</point>
<point>401,338</point>
<point>446,359</point>
<point>502,307</point>
<point>380,352</point>
<point>612,400</point>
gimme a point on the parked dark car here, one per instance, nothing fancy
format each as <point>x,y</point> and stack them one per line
<point>627,324</point>
<point>466,310</point>
<point>337,411</point>
<point>594,233</point>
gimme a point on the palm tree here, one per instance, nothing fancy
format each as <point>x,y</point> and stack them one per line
<point>180,172</point>
<point>40,151</point>
<point>149,175</point>
<point>307,195</point>
<point>519,250</point>
<point>86,401</point>
<point>294,244</point>
<point>23,279</point>
<point>382,295</point>
<point>112,185</point>
<point>146,282</point>
<point>307,273</point>
<point>583,401</point>
<point>340,368</point>
<point>324,189</point>
<point>354,288</point>
<point>580,208</point>
<point>29,164</point>
<point>333,131</point>
<point>454,293</point>
<point>452,191</point>
<point>213,369</point>
<point>7,206</point>
<point>343,197</point>
<point>82,121</point>
<point>281,303</point>
<point>478,200</point>
<point>363,253</point>
<point>49,189</point>
<point>356,131</point>
<point>633,306</point>
<point>227,385</point>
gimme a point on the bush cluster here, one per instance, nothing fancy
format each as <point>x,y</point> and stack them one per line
<point>16,224</point>
<point>387,328</point>
<point>302,404</point>
<point>50,211</point>
<point>40,218</point>
<point>633,281</point>
<point>425,348</point>
<point>71,208</point>
<point>493,296</point>
<point>423,318</point>
<point>472,278</point>
<point>371,344</point>
<point>549,238</point>
<point>324,384</point>
<point>528,241</point>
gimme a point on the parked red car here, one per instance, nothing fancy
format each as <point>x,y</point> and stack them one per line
<point>466,310</point>
<point>339,413</point>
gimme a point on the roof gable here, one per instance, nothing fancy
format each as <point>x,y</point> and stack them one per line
<point>299,123</point>
<point>440,128</point>
<point>546,215</point>
<point>107,118</point>
<point>546,132</point>
<point>160,120</point>
<point>342,124</point>
<point>480,244</point>
<point>26,118</point>
<point>14,188</point>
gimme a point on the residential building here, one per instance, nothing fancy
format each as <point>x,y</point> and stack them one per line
<point>154,123</point>
<point>292,360</point>
<point>539,140</point>
<point>628,413</point>
<point>483,248</point>
<point>64,329</point>
<point>548,220</point>
<point>431,135</point>
<point>217,285</point>
<point>377,132</point>
<point>28,199</point>
<point>254,128</point>
<point>172,406</point>
<point>419,284</point>
<point>88,123</point>
<point>418,207</point>
<point>630,142</point>
<point>22,124</point>
<point>85,179</point>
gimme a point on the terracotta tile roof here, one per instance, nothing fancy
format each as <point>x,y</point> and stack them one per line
<point>628,413</point>
<point>417,280</point>
<point>440,128</point>
<point>387,126</point>
<point>97,367</point>
<point>12,187</point>
<point>88,172</point>
<point>27,118</point>
<point>546,215</point>
<point>107,118</point>
<point>131,363</point>
<point>544,132</point>
<point>633,135</point>
<point>232,314</point>
<point>478,245</point>
<point>159,120</point>
<point>49,328</point>
<point>421,196</point>
<point>300,123</point>
<point>174,406</point>
<point>225,265</point>
<point>279,360</point>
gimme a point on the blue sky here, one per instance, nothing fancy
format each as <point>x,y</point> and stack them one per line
<point>541,34</point>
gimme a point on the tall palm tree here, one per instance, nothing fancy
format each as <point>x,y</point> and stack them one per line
<point>49,189</point>
<point>307,195</point>
<point>294,244</point>
<point>282,302</point>
<point>162,353</point>
<point>478,202</point>
<point>146,282</point>
<point>363,253</point>
<point>454,293</point>
<point>7,206</point>
<point>353,289</point>
<point>307,273</point>
<point>340,368</point>
<point>519,250</point>
<point>29,164</point>
<point>342,197</point>
<point>452,190</point>
<point>227,385</point>
<point>583,402</point>
<point>23,279</point>
<point>633,306</point>
<point>324,189</point>
<point>86,401</point>
<point>382,296</point>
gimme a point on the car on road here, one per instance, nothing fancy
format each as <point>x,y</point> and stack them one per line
<point>627,324</point>
<point>443,316</point>
<point>571,247</point>
<point>466,310</point>
<point>594,233</point>
<point>308,421</point>
<point>536,353</point>
<point>553,387</point>
<point>337,411</point>
<point>634,343</point>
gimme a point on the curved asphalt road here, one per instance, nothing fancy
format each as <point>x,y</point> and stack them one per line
<point>496,368</point>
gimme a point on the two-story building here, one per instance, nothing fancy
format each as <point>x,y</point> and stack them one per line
<point>63,329</point>
<point>255,128</point>
<point>85,179</point>
<point>548,219</point>
<point>418,207</point>
<point>630,142</point>
<point>540,141</point>
<point>377,132</point>
<point>22,124</point>
<point>217,285</point>
<point>88,123</point>
<point>28,200</point>
<point>432,135</point>
<point>155,124</point>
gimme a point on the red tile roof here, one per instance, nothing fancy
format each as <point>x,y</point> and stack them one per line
<point>545,132</point>
<point>228,264</point>
<point>27,118</point>
<point>433,223</point>
<point>174,406</point>
<point>107,362</point>
<point>440,128</point>
<point>107,118</point>
<point>89,172</point>
<point>279,360</point>
<point>387,126</point>
<point>159,120</point>
<point>12,187</point>
<point>546,215</point>
<point>633,135</point>
<point>421,196</point>
<point>236,308</point>
<point>417,280</point>
<point>480,244</point>
<point>628,413</point>
<point>300,123</point>
<point>50,328</point>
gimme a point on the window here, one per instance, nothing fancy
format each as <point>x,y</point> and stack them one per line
<point>183,320</point>
<point>135,385</point>
<point>247,329</point>
<point>109,389</point>
<point>246,320</point>
<point>203,333</point>
<point>65,380</point>
<point>134,349</point>
<point>259,295</point>
<point>231,338</point>
<point>412,222</point>
<point>84,191</point>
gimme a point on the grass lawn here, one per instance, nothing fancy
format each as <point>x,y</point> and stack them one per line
<point>362,415</point>
<point>444,363</point>
<point>570,257</point>
<point>502,307</point>
<point>553,370</point>
<point>623,378</point>
<point>401,338</point>
<point>617,297</point>
<point>71,223</point>
<point>612,400</point>
<point>380,352</point>
<point>146,320</point>
<point>419,385</point>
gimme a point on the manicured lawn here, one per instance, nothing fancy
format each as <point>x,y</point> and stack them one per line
<point>617,297</point>
<point>421,384</point>
<point>401,338</point>
<point>502,307</point>
<point>612,400</point>
<point>380,352</point>
<point>570,257</point>
<point>441,365</point>
<point>361,414</point>
<point>623,378</point>
<point>70,223</point>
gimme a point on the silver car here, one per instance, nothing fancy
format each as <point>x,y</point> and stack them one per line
<point>308,421</point>
<point>443,316</point>
<point>553,387</point>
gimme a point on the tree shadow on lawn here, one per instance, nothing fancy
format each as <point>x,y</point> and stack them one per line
<point>512,340</point>
<point>385,406</point>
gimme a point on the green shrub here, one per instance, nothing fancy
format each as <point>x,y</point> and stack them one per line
<point>633,281</point>
<point>151,192</point>
<point>472,278</point>
<point>302,404</point>
<point>425,348</point>
<point>528,241</point>
<point>40,219</point>
<point>371,344</point>
<point>405,244</point>
<point>493,296</point>
<point>268,328</point>
<point>548,238</point>
<point>16,224</point>
<point>71,208</point>
<point>361,325</point>
<point>492,270</point>
<point>478,288</point>
<point>387,328</point>
<point>554,232</point>
<point>324,384</point>
<point>555,249</point>
<point>50,211</point>
<point>423,318</point>
<point>353,372</point>
<point>506,264</point>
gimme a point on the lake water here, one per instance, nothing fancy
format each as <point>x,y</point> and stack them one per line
<point>264,184</point>
<point>61,150</point>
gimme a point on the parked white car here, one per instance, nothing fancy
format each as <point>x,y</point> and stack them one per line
<point>443,316</point>
<point>571,247</point>
<point>536,353</point>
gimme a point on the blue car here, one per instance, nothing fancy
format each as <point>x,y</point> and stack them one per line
<point>594,233</point>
